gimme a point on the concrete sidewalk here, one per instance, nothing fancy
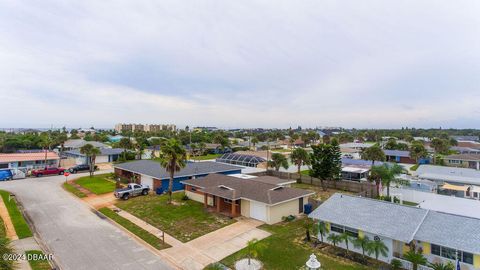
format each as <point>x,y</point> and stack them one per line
<point>207,249</point>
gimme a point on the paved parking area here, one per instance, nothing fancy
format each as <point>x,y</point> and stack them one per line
<point>77,237</point>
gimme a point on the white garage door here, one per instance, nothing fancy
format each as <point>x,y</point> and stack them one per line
<point>101,159</point>
<point>147,181</point>
<point>258,211</point>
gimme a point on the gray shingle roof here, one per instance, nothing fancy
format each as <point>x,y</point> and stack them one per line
<point>235,188</point>
<point>103,151</point>
<point>469,157</point>
<point>402,223</point>
<point>153,168</point>
<point>458,232</point>
<point>77,143</point>
<point>383,218</point>
<point>449,174</point>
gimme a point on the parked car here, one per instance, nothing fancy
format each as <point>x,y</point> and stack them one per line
<point>131,190</point>
<point>80,168</point>
<point>6,175</point>
<point>48,171</point>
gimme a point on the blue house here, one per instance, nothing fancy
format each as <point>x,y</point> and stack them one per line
<point>149,172</point>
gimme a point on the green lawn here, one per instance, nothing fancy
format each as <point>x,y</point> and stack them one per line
<point>73,190</point>
<point>284,249</point>
<point>184,220</point>
<point>3,232</point>
<point>205,157</point>
<point>282,150</point>
<point>37,264</point>
<point>98,184</point>
<point>414,167</point>
<point>19,223</point>
<point>305,172</point>
<point>410,203</point>
<point>127,224</point>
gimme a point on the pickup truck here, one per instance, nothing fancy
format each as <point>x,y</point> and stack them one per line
<point>48,171</point>
<point>131,190</point>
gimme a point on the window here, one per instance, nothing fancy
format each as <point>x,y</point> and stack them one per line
<point>193,189</point>
<point>451,253</point>
<point>336,228</point>
<point>351,232</point>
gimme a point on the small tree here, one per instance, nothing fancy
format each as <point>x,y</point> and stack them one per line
<point>321,230</point>
<point>361,242</point>
<point>300,157</point>
<point>307,225</point>
<point>373,153</point>
<point>334,239</point>
<point>377,247</point>
<point>442,266</point>
<point>396,264</point>
<point>91,153</point>
<point>172,158</point>
<point>417,151</point>
<point>415,257</point>
<point>278,160</point>
<point>254,248</point>
<point>125,143</point>
<point>346,239</point>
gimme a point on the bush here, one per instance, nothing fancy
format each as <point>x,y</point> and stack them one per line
<point>185,197</point>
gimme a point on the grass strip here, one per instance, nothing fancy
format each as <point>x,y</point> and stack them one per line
<point>20,225</point>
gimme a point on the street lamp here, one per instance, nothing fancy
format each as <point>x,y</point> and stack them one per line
<point>313,263</point>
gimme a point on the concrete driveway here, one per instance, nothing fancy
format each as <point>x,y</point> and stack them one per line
<point>76,236</point>
<point>215,246</point>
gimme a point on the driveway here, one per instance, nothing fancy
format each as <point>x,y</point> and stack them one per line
<point>215,246</point>
<point>76,236</point>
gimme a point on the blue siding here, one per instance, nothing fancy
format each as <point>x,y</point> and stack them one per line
<point>179,186</point>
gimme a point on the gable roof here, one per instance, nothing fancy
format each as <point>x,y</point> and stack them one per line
<point>449,174</point>
<point>103,151</point>
<point>236,188</point>
<point>77,143</point>
<point>153,168</point>
<point>273,180</point>
<point>468,157</point>
<point>383,218</point>
<point>33,156</point>
<point>400,222</point>
<point>397,153</point>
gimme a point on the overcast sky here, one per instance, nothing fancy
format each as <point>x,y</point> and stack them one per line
<point>240,63</point>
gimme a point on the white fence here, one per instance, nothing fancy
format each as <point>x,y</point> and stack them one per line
<point>409,266</point>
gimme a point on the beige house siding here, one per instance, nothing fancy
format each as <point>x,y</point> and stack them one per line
<point>245,208</point>
<point>276,212</point>
<point>194,196</point>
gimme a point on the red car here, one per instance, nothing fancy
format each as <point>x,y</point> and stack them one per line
<point>48,171</point>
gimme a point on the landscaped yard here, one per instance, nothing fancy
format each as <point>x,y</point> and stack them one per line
<point>3,232</point>
<point>73,190</point>
<point>184,220</point>
<point>98,184</point>
<point>37,264</point>
<point>284,249</point>
<point>205,157</point>
<point>127,224</point>
<point>19,223</point>
<point>320,194</point>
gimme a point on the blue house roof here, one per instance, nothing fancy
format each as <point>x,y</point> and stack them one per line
<point>153,168</point>
<point>397,153</point>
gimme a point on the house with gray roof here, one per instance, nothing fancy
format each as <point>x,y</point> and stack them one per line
<point>149,172</point>
<point>471,161</point>
<point>264,198</point>
<point>440,236</point>
<point>398,156</point>
<point>453,175</point>
<point>106,155</point>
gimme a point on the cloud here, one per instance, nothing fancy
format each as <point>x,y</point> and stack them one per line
<point>240,64</point>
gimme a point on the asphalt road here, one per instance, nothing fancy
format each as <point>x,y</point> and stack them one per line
<point>76,236</point>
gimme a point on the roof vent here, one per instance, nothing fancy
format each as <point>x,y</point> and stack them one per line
<point>225,187</point>
<point>277,188</point>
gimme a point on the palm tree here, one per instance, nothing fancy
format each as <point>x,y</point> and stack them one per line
<point>254,141</point>
<point>415,257</point>
<point>321,229</point>
<point>373,153</point>
<point>172,158</point>
<point>125,143</point>
<point>193,149</point>
<point>441,266</point>
<point>254,248</point>
<point>334,239</point>
<point>46,143</point>
<point>300,157</point>
<point>417,151</point>
<point>396,264</point>
<point>201,147</point>
<point>91,153</point>
<point>377,247</point>
<point>361,242</point>
<point>346,238</point>
<point>278,160</point>
<point>307,225</point>
<point>386,174</point>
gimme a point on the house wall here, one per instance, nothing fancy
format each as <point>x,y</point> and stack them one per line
<point>245,208</point>
<point>426,247</point>
<point>276,212</point>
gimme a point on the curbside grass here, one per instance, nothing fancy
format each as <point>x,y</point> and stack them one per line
<point>68,187</point>
<point>21,227</point>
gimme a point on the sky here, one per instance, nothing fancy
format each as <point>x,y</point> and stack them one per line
<point>240,64</point>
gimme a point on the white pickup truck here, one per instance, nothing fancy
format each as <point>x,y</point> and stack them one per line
<point>131,190</point>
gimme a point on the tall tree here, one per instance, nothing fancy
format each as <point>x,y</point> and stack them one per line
<point>278,160</point>
<point>373,153</point>
<point>91,153</point>
<point>385,174</point>
<point>46,144</point>
<point>418,151</point>
<point>300,157</point>
<point>325,161</point>
<point>172,158</point>
<point>126,144</point>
